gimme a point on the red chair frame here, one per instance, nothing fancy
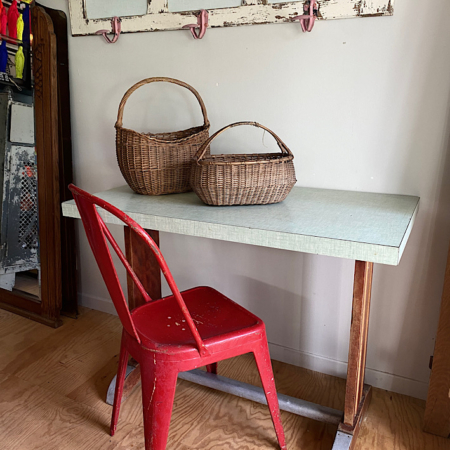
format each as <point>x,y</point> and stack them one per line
<point>161,351</point>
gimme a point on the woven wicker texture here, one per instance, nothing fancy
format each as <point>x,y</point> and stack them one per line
<point>246,179</point>
<point>159,163</point>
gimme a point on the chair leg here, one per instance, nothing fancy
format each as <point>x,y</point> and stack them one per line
<point>212,368</point>
<point>158,392</point>
<point>262,358</point>
<point>120,378</point>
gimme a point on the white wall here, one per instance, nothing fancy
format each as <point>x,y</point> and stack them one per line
<point>362,103</point>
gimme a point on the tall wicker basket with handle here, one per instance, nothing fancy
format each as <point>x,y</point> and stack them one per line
<point>245,179</point>
<point>156,164</point>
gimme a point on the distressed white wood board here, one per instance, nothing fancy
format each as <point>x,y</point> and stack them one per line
<point>7,281</point>
<point>354,225</point>
<point>251,12</point>
<point>22,123</point>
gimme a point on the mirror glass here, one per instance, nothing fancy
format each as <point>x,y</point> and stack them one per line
<point>195,5</point>
<point>101,9</point>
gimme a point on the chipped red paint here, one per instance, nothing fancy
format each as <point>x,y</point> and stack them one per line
<point>154,335</point>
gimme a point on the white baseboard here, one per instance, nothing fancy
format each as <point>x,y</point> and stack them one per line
<point>97,303</point>
<point>382,380</point>
<point>375,378</point>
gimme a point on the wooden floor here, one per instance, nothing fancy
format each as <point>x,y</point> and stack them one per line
<point>53,384</point>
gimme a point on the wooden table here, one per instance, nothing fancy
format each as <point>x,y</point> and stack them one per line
<point>369,228</point>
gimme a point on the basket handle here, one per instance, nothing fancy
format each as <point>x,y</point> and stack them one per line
<point>158,79</point>
<point>202,150</point>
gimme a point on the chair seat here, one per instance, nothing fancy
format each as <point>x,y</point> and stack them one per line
<point>157,333</point>
<point>161,324</point>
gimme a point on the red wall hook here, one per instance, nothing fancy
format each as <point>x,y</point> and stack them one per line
<point>116,29</point>
<point>202,24</point>
<point>307,20</point>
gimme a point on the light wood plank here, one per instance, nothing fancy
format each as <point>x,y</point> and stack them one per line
<point>394,422</point>
<point>74,417</point>
<point>32,417</point>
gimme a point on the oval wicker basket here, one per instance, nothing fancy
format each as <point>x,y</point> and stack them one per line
<point>156,164</point>
<point>246,179</point>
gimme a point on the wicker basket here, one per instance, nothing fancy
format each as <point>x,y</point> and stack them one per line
<point>252,179</point>
<point>156,164</point>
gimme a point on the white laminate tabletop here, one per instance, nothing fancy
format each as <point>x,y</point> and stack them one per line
<point>345,224</point>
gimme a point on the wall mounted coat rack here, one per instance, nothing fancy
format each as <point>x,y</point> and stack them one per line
<point>90,16</point>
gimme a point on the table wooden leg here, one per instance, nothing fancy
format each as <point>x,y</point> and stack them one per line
<point>147,270</point>
<point>144,264</point>
<point>357,395</point>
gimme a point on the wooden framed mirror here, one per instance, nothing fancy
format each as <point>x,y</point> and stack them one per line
<point>37,243</point>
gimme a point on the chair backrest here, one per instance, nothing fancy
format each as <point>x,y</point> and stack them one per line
<point>98,236</point>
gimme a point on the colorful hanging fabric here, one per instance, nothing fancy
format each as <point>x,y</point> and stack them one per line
<point>26,26</point>
<point>20,27</point>
<point>3,21</point>
<point>20,62</point>
<point>13,15</point>
<point>3,56</point>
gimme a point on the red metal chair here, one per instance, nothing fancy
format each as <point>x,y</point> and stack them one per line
<point>195,328</point>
